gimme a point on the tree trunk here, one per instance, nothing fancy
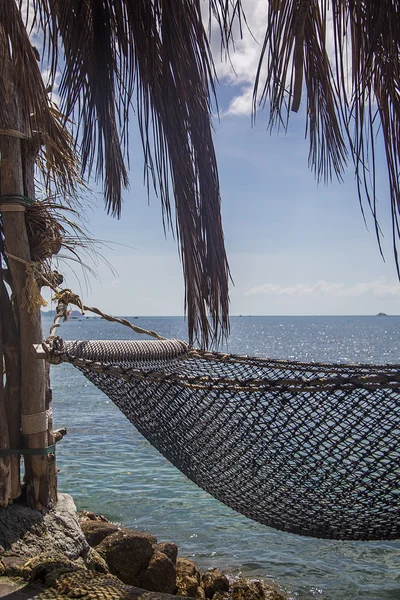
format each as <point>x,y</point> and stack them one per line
<point>12,390</point>
<point>5,472</point>
<point>50,436</point>
<point>32,370</point>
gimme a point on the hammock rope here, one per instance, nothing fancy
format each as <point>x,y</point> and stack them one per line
<point>308,448</point>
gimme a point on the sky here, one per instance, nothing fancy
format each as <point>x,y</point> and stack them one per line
<point>295,247</point>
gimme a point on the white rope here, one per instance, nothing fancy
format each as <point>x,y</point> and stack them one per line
<point>36,423</point>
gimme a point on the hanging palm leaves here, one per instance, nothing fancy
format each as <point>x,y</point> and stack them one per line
<point>154,54</point>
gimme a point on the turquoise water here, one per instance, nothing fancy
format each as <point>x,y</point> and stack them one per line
<point>109,468</point>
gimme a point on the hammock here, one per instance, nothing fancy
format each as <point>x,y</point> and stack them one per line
<point>307,448</point>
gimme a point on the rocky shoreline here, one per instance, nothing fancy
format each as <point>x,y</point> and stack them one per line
<point>63,554</point>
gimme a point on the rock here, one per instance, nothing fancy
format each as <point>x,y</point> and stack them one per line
<point>187,568</point>
<point>271,593</point>
<point>26,532</point>
<point>245,589</point>
<point>94,562</point>
<point>160,575</point>
<point>187,586</point>
<point>222,596</point>
<point>13,565</point>
<point>136,560</point>
<point>214,581</point>
<point>96,531</point>
<point>188,579</point>
<point>170,549</point>
<point>46,568</point>
<point>127,554</point>
<point>88,515</point>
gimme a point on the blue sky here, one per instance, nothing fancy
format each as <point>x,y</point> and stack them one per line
<point>294,247</point>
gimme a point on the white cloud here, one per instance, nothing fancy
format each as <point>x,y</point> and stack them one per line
<point>379,287</point>
<point>242,104</point>
<point>241,67</point>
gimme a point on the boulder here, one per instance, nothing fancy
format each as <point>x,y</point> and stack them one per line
<point>94,562</point>
<point>88,515</point>
<point>214,581</point>
<point>127,554</point>
<point>246,589</point>
<point>96,531</point>
<point>187,568</point>
<point>188,579</point>
<point>26,532</point>
<point>170,549</point>
<point>160,575</point>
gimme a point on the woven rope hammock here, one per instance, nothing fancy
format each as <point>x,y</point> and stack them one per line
<point>307,448</point>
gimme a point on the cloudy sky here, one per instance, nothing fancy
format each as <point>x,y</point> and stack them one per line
<point>295,247</point>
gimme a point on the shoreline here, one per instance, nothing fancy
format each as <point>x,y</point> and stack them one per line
<point>64,554</point>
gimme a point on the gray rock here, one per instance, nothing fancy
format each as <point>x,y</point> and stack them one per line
<point>214,581</point>
<point>26,532</point>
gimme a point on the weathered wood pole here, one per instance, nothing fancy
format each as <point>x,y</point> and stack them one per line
<point>11,348</point>
<point>5,470</point>
<point>33,407</point>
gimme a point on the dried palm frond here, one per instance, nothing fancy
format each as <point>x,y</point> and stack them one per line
<point>23,97</point>
<point>115,51</point>
<point>156,52</point>
<point>56,235</point>
<point>45,232</point>
<point>295,49</point>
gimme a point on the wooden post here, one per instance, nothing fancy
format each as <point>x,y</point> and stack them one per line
<point>32,371</point>
<point>5,478</point>
<point>52,466</point>
<point>12,390</point>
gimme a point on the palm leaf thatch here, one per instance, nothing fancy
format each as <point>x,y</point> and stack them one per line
<point>40,121</point>
<point>154,54</point>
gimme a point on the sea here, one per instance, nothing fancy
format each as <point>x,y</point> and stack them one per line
<point>109,468</point>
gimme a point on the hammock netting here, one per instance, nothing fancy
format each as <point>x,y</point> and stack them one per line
<point>307,448</point>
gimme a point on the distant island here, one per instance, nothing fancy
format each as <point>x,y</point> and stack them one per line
<point>381,315</point>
